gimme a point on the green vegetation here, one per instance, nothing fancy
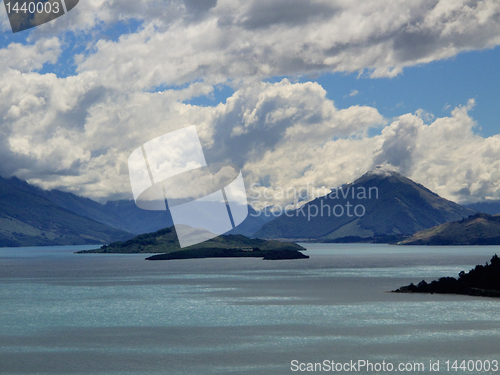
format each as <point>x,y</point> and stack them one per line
<point>165,241</point>
<point>479,229</point>
<point>480,281</point>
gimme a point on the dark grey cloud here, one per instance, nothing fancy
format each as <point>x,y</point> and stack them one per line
<point>255,141</point>
<point>200,6</point>
<point>12,162</point>
<point>77,116</point>
<point>420,39</point>
<point>265,13</point>
<point>409,45</point>
<point>197,9</point>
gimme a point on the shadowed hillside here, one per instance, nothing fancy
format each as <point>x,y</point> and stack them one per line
<point>27,218</point>
<point>479,229</point>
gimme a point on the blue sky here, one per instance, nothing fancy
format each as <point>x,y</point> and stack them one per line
<point>437,88</point>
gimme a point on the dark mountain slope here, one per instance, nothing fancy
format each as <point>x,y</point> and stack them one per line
<point>122,214</point>
<point>27,218</point>
<point>480,229</point>
<point>125,215</point>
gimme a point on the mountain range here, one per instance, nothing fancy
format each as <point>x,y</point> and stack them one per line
<point>120,214</point>
<point>380,206</point>
<point>491,207</point>
<point>28,218</point>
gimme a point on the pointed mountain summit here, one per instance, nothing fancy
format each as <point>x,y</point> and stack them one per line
<point>380,203</point>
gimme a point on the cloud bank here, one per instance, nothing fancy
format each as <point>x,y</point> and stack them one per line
<point>237,40</point>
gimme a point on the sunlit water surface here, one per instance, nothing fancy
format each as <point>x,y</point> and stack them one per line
<point>62,313</point>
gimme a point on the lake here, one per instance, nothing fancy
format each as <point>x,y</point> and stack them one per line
<point>63,313</point>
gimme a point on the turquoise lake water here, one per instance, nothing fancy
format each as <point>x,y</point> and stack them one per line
<point>62,313</point>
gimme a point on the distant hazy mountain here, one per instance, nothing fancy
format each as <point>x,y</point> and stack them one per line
<point>122,214</point>
<point>487,207</point>
<point>388,204</point>
<point>480,229</point>
<point>125,215</point>
<point>27,218</point>
<point>254,221</point>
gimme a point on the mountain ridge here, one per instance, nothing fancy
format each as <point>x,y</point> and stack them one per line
<point>27,218</point>
<point>121,216</point>
<point>125,215</point>
<point>491,207</point>
<point>478,229</point>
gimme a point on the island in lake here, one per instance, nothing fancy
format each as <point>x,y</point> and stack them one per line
<point>165,244</point>
<point>480,281</point>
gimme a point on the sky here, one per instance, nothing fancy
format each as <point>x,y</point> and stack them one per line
<point>294,92</point>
